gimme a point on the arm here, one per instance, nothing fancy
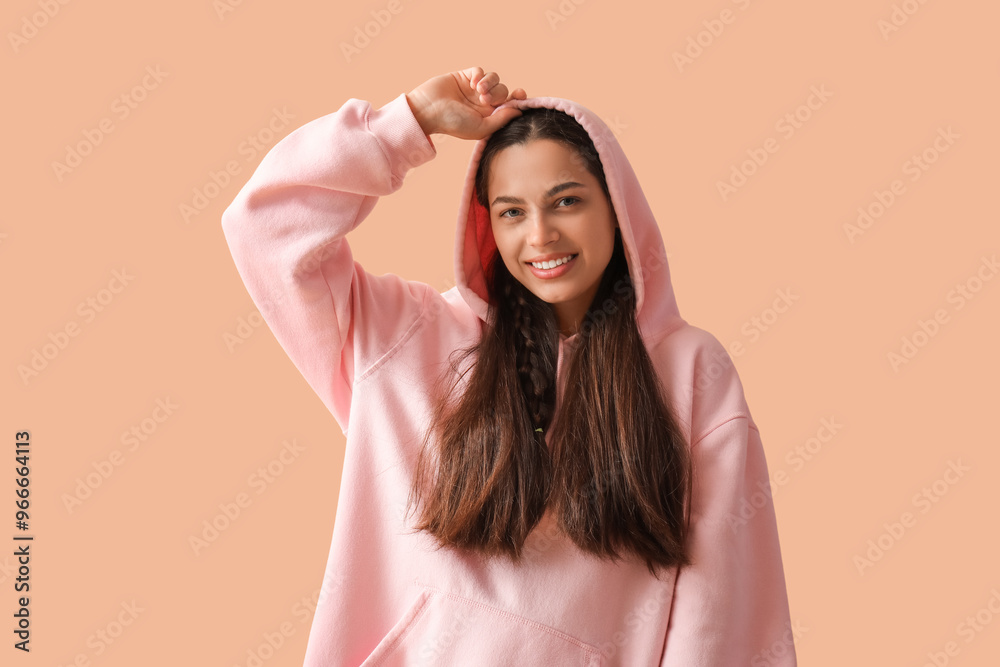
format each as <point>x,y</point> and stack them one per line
<point>730,606</point>
<point>286,232</point>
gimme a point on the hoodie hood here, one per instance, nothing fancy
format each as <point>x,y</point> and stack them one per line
<point>656,307</point>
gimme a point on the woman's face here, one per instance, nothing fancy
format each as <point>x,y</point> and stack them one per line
<point>545,204</point>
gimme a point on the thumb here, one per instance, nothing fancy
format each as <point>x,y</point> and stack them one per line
<point>500,118</point>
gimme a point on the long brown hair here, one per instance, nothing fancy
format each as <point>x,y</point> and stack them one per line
<point>618,474</point>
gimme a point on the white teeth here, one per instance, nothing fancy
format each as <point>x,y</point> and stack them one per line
<point>551,264</point>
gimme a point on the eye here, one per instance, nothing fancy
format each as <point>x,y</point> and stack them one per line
<point>572,201</point>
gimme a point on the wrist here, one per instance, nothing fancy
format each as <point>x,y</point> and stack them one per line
<point>417,109</point>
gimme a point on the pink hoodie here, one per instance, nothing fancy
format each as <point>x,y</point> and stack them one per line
<point>370,345</point>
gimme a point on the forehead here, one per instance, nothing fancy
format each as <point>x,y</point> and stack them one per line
<point>535,167</point>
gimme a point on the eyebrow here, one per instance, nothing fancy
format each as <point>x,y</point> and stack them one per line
<point>504,199</point>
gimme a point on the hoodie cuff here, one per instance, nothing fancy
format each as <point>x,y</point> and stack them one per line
<point>401,136</point>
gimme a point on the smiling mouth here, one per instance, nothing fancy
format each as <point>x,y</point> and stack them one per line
<point>551,264</point>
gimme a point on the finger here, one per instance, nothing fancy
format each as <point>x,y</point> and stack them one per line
<point>486,83</point>
<point>488,80</point>
<point>518,94</point>
<point>498,94</point>
<point>500,118</point>
<point>474,74</point>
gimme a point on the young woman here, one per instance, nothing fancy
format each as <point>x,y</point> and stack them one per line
<point>546,464</point>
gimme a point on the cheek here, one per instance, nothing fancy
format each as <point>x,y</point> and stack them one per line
<point>601,241</point>
<point>508,250</point>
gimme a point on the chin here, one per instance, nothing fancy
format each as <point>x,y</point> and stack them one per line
<point>548,298</point>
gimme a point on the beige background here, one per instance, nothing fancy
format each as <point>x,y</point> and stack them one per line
<point>165,334</point>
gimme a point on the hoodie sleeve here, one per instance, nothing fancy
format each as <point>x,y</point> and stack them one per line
<point>730,605</point>
<point>286,230</point>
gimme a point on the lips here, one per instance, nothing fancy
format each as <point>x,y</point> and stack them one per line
<point>555,271</point>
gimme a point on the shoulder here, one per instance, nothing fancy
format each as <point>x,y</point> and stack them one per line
<point>701,379</point>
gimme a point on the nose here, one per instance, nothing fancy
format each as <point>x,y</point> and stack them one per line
<point>541,231</point>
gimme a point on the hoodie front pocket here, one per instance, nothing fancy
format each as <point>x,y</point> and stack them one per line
<point>446,630</point>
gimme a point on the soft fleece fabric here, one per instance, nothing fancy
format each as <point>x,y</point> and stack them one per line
<point>370,345</point>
